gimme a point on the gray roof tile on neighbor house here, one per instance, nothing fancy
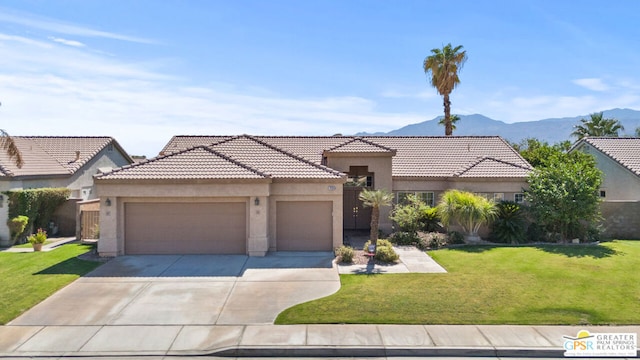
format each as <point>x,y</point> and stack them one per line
<point>199,162</point>
<point>54,155</point>
<point>625,151</point>
<point>359,145</point>
<point>416,156</point>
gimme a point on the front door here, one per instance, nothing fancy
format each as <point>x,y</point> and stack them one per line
<point>355,215</point>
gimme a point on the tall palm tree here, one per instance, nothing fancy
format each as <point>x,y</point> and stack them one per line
<point>597,125</point>
<point>444,64</point>
<point>454,120</point>
<point>375,199</point>
<point>8,145</point>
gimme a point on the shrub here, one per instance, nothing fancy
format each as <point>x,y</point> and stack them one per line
<point>386,254</point>
<point>384,251</point>
<point>37,204</point>
<point>17,226</point>
<point>431,240</point>
<point>466,209</point>
<point>381,242</point>
<point>430,220</point>
<point>455,238</point>
<point>404,238</point>
<point>509,226</point>
<point>345,253</point>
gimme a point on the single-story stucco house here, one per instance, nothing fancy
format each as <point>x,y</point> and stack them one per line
<point>619,161</point>
<point>58,161</point>
<point>255,194</point>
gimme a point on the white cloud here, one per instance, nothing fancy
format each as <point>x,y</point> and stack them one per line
<point>67,42</point>
<point>53,89</point>
<point>593,84</point>
<point>43,23</point>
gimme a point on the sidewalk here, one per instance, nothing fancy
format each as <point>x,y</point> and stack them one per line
<point>292,340</point>
<point>55,242</point>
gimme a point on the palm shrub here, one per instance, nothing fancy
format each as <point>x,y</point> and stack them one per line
<point>509,225</point>
<point>375,199</point>
<point>466,209</point>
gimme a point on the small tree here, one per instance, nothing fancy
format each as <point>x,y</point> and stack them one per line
<point>17,226</point>
<point>454,120</point>
<point>375,199</point>
<point>468,210</point>
<point>563,194</point>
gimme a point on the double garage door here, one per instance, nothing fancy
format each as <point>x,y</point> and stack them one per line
<point>221,228</point>
<point>185,228</point>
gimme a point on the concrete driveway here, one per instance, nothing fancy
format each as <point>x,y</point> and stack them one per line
<point>189,290</point>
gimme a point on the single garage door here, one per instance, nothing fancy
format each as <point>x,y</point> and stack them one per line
<point>304,226</point>
<point>185,228</point>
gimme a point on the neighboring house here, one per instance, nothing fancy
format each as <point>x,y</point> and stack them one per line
<point>619,161</point>
<point>254,194</point>
<point>67,162</point>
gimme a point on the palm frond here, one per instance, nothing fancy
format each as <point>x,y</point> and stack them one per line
<point>8,145</point>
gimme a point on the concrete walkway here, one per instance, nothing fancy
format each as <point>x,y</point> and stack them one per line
<point>292,340</point>
<point>55,242</point>
<point>412,260</point>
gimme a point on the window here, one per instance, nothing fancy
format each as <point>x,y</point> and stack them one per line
<point>426,196</point>
<point>498,197</point>
<point>518,198</point>
<point>359,181</point>
<point>603,193</point>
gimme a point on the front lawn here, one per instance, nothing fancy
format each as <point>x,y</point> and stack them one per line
<point>28,278</point>
<point>551,284</point>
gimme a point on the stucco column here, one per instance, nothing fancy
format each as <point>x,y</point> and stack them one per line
<point>108,242</point>
<point>258,242</point>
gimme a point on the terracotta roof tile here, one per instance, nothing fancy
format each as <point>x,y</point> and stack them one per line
<point>625,151</point>
<point>195,163</point>
<point>417,156</point>
<point>489,167</point>
<point>359,145</point>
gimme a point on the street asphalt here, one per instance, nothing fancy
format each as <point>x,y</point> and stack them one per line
<point>168,306</point>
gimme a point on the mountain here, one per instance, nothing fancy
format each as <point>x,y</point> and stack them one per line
<point>551,130</point>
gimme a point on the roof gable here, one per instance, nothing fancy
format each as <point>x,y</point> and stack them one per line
<point>624,151</point>
<point>360,145</point>
<point>490,167</point>
<point>56,155</point>
<point>199,162</point>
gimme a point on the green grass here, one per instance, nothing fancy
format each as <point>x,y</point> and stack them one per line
<point>28,278</point>
<point>569,285</point>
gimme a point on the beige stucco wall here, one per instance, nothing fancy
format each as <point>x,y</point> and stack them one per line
<point>260,218</point>
<point>378,163</point>
<point>618,182</point>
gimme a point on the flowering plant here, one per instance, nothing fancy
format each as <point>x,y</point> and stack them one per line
<point>38,238</point>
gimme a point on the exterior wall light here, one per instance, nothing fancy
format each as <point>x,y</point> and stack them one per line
<point>256,202</point>
<point>108,202</point>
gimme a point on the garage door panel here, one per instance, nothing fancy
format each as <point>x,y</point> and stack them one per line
<point>185,228</point>
<point>304,225</point>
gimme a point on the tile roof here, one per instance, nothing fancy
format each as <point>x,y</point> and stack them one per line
<point>54,155</point>
<point>359,145</point>
<point>239,157</point>
<point>490,167</point>
<point>625,151</point>
<point>416,156</point>
<point>200,162</point>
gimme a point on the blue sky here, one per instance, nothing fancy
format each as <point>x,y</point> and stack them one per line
<point>143,71</point>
